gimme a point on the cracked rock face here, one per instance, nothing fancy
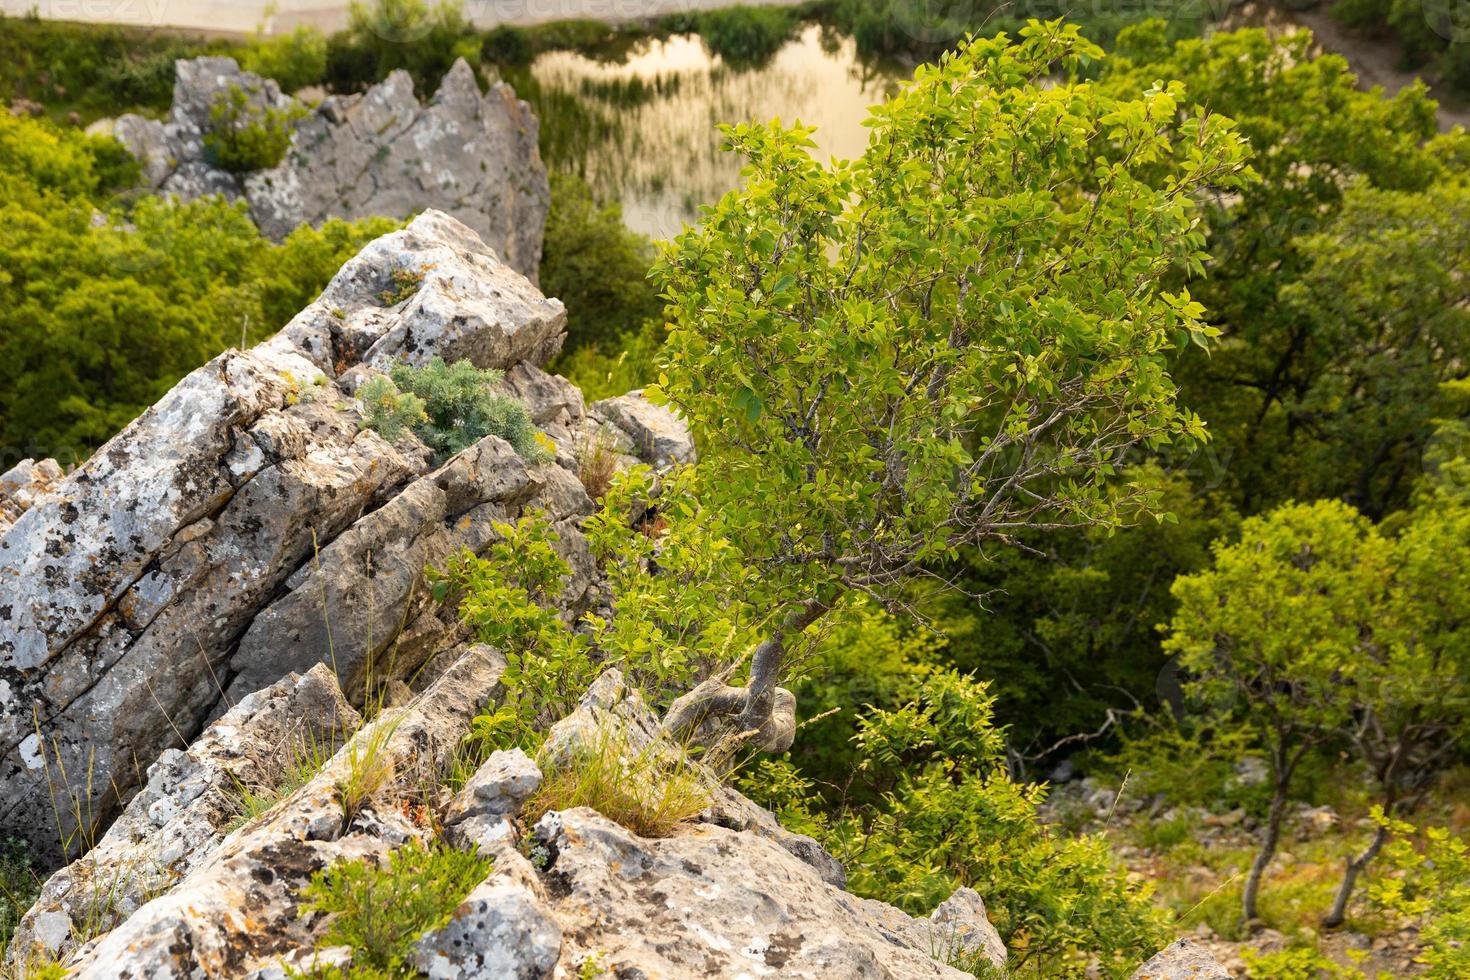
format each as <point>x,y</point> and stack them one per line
<point>245,527</point>
<point>190,801</point>
<point>382,152</point>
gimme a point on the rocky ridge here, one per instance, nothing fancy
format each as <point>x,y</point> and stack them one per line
<point>210,547</point>
<point>381,152</point>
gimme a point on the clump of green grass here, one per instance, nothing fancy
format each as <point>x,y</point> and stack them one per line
<point>650,791</point>
<point>368,768</point>
<point>380,910</point>
<point>19,887</point>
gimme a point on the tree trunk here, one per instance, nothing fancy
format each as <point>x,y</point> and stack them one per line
<point>1269,841</point>
<point>754,705</point>
<point>1355,867</point>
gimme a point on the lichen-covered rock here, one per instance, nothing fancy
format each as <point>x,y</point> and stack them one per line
<point>713,902</point>
<point>1182,960</point>
<point>23,485</point>
<point>238,911</point>
<point>378,153</point>
<point>503,930</point>
<point>246,526</point>
<point>480,814</point>
<point>186,808</point>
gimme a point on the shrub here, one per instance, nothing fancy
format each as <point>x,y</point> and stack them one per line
<point>242,139</point>
<point>951,816</point>
<point>508,598</point>
<point>294,60</point>
<point>388,411</point>
<point>423,40</point>
<point>650,790</point>
<point>379,911</point>
<point>596,266</point>
<point>745,36</point>
<point>449,407</point>
<point>1432,883</point>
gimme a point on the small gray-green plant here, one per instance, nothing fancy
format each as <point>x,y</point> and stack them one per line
<point>450,407</point>
<point>388,411</point>
<point>242,138</point>
<point>379,910</point>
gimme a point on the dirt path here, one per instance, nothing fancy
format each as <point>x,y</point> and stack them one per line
<point>1375,61</point>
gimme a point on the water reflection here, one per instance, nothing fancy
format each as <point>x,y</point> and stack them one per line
<point>654,146</point>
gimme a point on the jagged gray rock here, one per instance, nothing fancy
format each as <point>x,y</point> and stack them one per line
<point>23,485</point>
<point>192,553</point>
<point>504,930</point>
<point>181,815</point>
<point>378,153</point>
<point>713,902</point>
<point>238,911</point>
<point>1182,960</point>
<point>480,814</point>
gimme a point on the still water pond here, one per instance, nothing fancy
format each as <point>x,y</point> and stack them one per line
<point>645,124</point>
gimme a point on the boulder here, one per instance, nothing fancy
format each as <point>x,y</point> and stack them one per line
<point>1182,960</point>
<point>246,526</point>
<point>481,814</point>
<point>382,152</point>
<point>713,902</point>
<point>190,802</point>
<point>239,910</point>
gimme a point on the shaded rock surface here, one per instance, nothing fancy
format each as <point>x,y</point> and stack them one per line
<point>379,153</point>
<point>245,527</point>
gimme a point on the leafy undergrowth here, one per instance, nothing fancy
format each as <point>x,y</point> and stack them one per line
<point>379,910</point>
<point>1197,862</point>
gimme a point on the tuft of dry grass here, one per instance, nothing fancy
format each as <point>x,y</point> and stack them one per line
<point>650,791</point>
<point>596,465</point>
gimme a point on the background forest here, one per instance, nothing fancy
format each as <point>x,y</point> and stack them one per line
<point>1260,661</point>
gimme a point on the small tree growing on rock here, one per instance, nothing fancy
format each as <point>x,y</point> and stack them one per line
<point>948,340</point>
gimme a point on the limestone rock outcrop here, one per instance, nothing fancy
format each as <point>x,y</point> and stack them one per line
<point>247,526</point>
<point>1182,960</point>
<point>191,800</point>
<point>381,152</point>
<point>23,485</point>
<point>573,891</point>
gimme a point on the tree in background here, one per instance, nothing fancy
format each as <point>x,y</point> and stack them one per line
<point>1272,391</point>
<point>951,340</point>
<point>1272,634</point>
<point>104,306</point>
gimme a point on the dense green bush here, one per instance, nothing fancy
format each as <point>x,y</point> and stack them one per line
<point>450,407</point>
<point>949,816</point>
<point>98,318</point>
<point>294,60</point>
<point>596,266</point>
<point>388,35</point>
<point>243,137</point>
